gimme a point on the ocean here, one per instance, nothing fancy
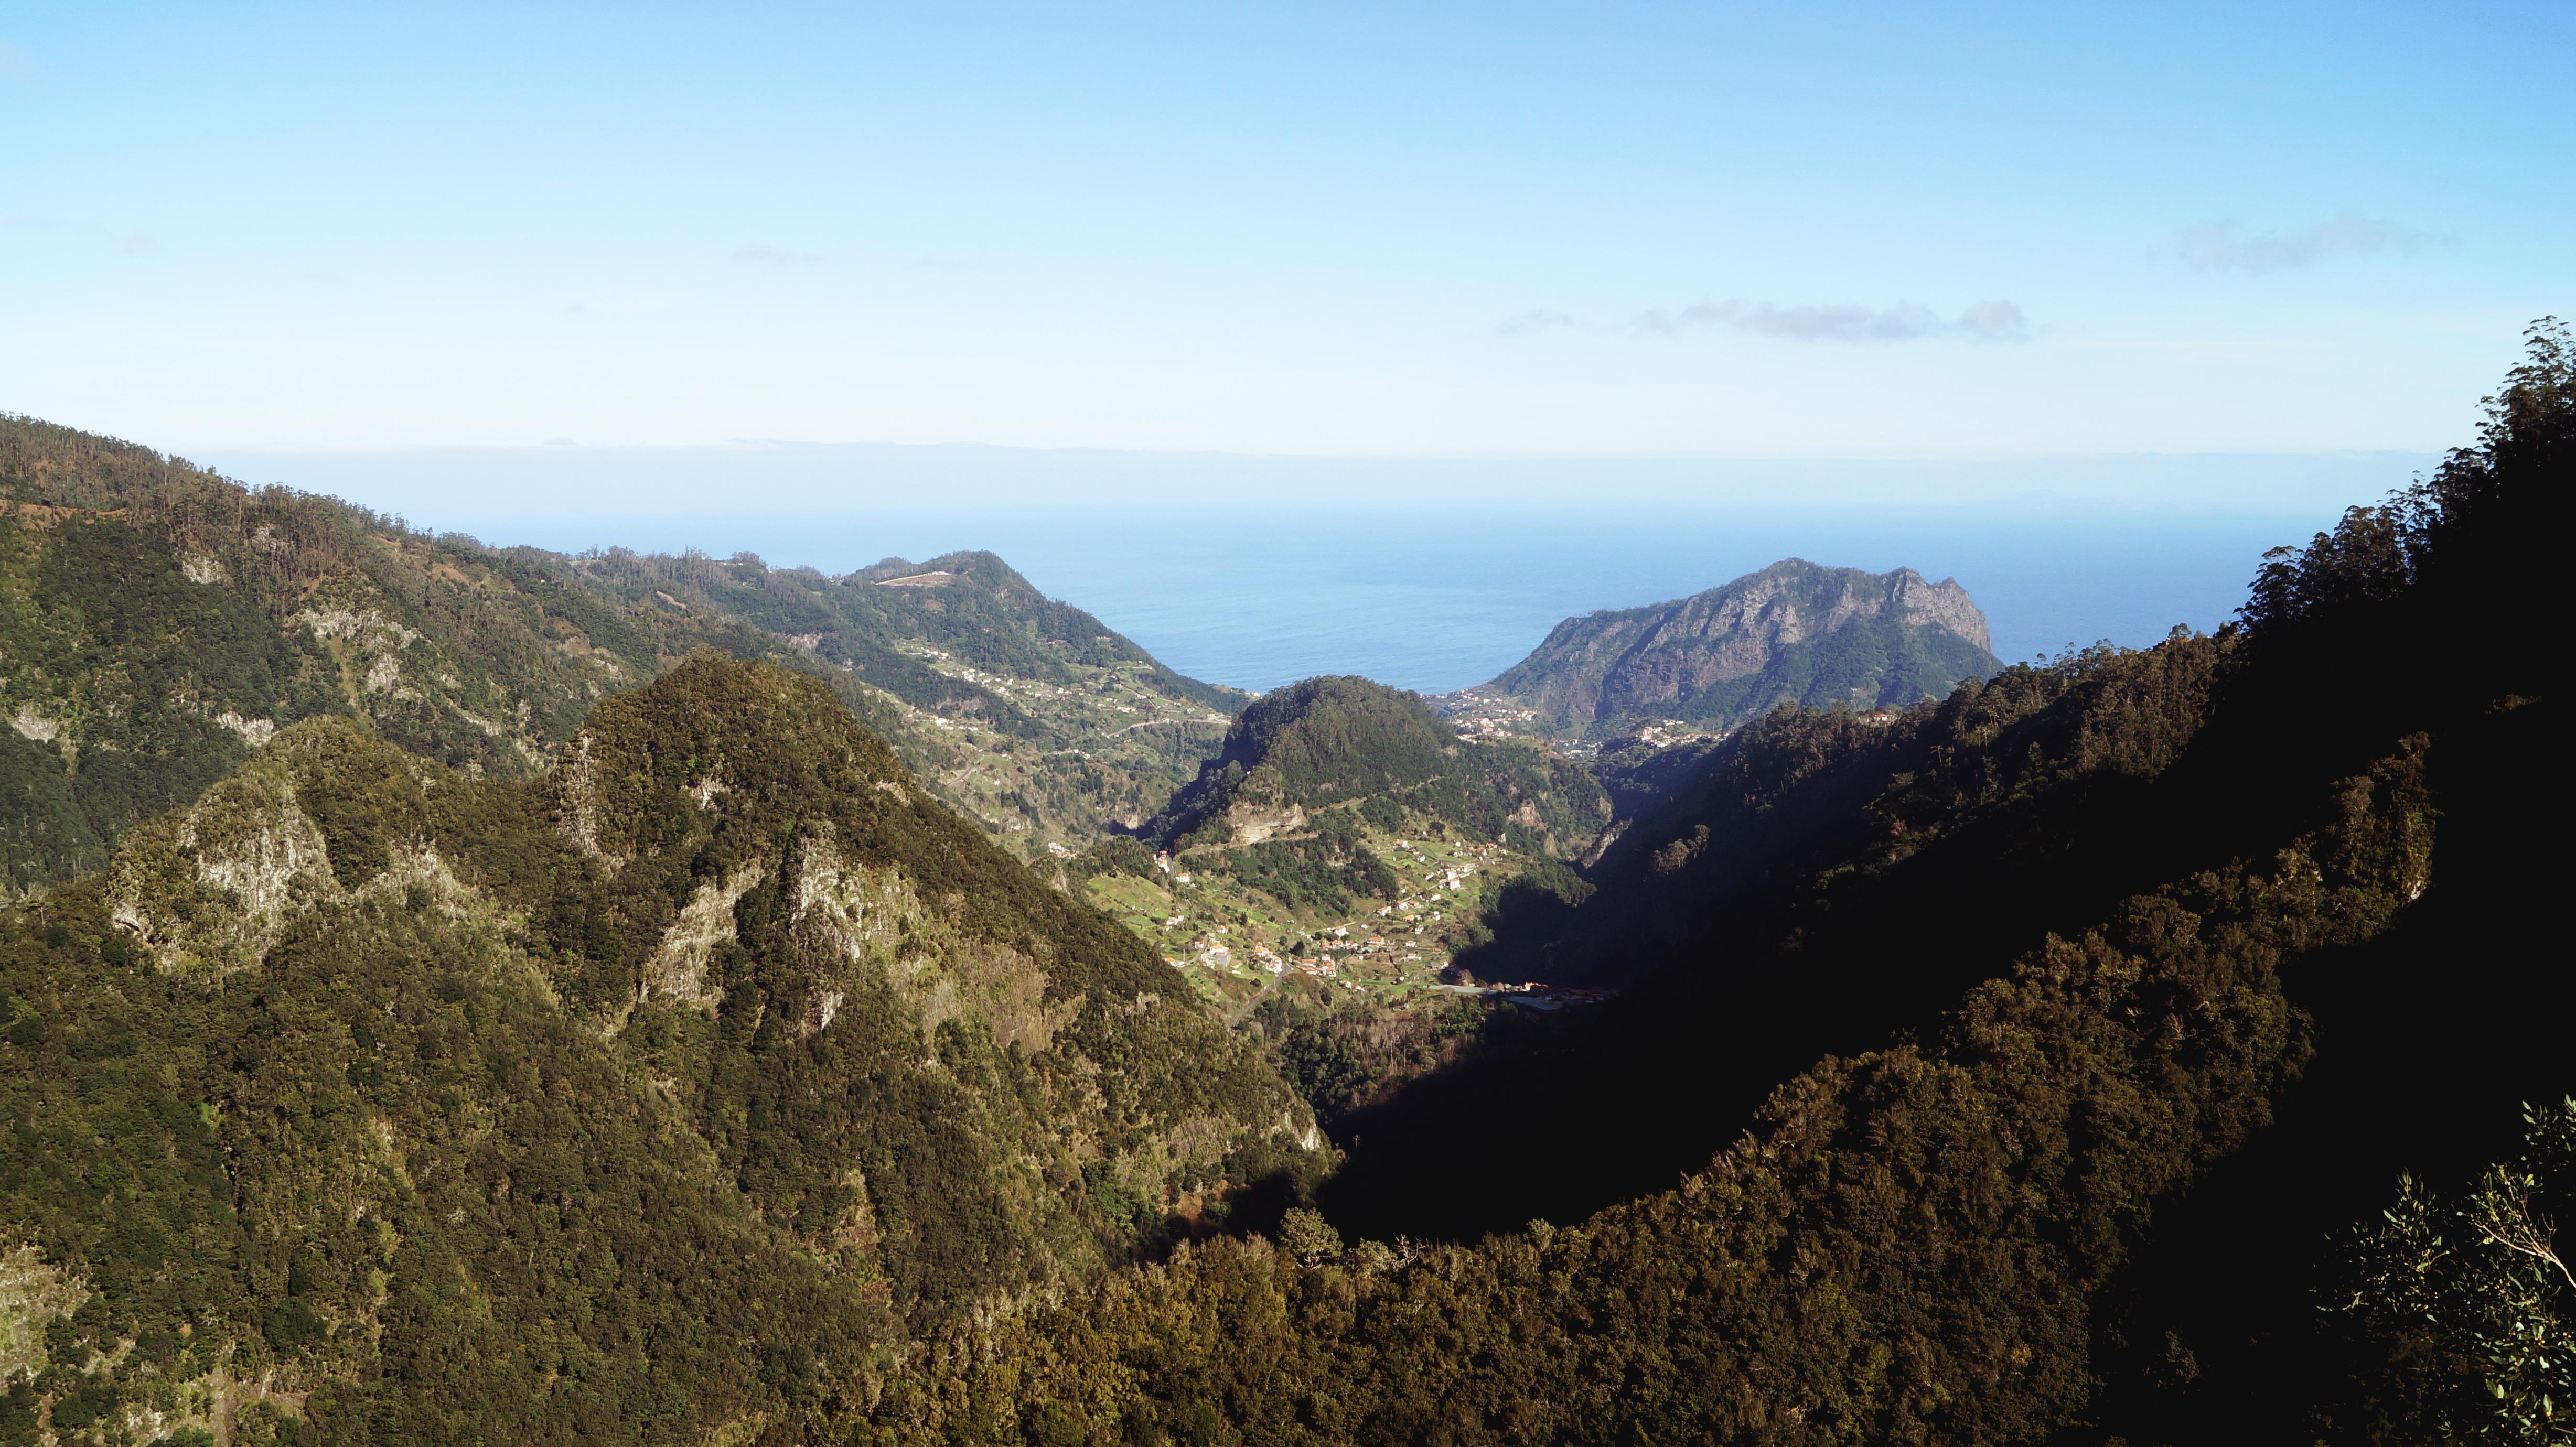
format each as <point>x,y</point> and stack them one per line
<point>1438,598</point>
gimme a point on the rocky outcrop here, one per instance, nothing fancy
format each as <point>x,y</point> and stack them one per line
<point>678,967</point>
<point>214,886</point>
<point>1793,631</point>
<point>1940,605</point>
<point>860,926</point>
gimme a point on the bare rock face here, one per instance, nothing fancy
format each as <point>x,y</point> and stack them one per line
<point>1793,631</point>
<point>1941,605</point>
<point>1252,822</point>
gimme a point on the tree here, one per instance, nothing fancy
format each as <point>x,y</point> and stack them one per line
<point>1310,1238</point>
<point>2480,1281</point>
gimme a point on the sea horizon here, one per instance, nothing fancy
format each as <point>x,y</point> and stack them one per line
<point>1439,598</point>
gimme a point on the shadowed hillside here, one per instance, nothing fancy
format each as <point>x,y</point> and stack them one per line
<point>2006,1072</point>
<point>2036,1064</point>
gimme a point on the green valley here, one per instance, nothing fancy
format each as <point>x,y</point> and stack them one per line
<point>462,995</point>
<point>1344,836</point>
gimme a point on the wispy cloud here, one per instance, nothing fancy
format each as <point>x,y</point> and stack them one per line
<point>1993,320</point>
<point>135,242</point>
<point>1521,324</point>
<point>775,256</point>
<point>17,67</point>
<point>1985,321</point>
<point>2224,246</point>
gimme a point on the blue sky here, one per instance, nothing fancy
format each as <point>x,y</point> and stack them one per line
<point>1411,232</point>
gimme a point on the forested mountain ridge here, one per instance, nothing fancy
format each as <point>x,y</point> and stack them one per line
<point>159,622</point>
<point>1793,632</point>
<point>1904,1248</point>
<point>1027,714</point>
<point>2137,980</point>
<point>673,1089</point>
<point>1330,741</point>
<point>2036,1065</point>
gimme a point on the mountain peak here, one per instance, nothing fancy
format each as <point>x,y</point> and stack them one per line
<point>1795,631</point>
<point>1316,742</point>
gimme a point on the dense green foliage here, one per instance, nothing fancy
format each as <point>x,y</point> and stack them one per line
<point>1326,872</point>
<point>1904,1250</point>
<point>158,621</point>
<point>2478,1288</point>
<point>1345,1054</point>
<point>43,462</point>
<point>673,1089</point>
<point>1300,750</point>
<point>383,1167</point>
<point>110,643</point>
<point>1073,1040</point>
<point>2432,1035</point>
<point>2066,1203</point>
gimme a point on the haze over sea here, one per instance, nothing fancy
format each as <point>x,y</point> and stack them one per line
<point>1437,598</point>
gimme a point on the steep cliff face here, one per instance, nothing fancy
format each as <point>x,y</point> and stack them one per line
<point>1793,632</point>
<point>807,933</point>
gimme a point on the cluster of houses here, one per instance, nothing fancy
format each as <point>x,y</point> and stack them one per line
<point>1362,947</point>
<point>1329,951</point>
<point>1477,716</point>
<point>1213,954</point>
<point>1665,731</point>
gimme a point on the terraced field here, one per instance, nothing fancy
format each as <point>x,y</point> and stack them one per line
<point>1237,943</point>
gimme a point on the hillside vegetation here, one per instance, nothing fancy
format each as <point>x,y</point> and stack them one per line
<point>158,623</point>
<point>676,1088</point>
<point>2107,994</point>
<point>1299,751</point>
<point>2135,1049</point>
<point>1026,714</point>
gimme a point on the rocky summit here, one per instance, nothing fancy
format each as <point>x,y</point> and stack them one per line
<point>1795,632</point>
<point>452,995</point>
